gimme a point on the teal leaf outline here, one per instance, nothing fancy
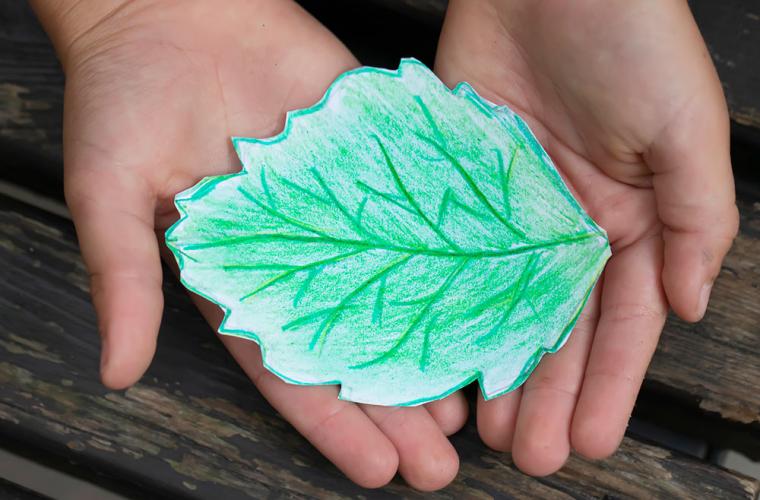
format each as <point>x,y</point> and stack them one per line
<point>405,200</point>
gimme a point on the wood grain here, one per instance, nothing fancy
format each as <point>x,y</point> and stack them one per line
<point>31,100</point>
<point>196,427</point>
<point>731,29</point>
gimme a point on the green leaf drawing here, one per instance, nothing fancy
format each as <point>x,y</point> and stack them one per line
<point>398,238</point>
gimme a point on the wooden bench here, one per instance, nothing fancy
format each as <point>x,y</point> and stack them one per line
<point>195,427</point>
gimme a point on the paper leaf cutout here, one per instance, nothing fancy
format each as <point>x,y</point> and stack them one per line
<point>398,238</point>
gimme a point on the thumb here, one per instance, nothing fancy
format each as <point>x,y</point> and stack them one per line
<point>113,213</point>
<point>694,188</point>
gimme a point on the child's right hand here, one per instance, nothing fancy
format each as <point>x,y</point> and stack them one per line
<point>625,99</point>
<point>154,90</point>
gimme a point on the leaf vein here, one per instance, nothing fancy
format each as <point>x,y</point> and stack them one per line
<point>419,317</point>
<point>410,199</point>
<point>474,187</point>
<point>521,286</point>
<point>357,227</point>
<point>434,252</point>
<point>290,272</point>
<point>320,336</point>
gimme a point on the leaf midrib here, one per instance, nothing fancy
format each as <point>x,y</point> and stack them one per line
<point>431,252</point>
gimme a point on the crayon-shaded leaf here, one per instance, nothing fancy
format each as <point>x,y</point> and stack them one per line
<point>398,238</point>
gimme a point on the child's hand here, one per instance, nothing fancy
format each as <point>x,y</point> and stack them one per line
<point>154,90</point>
<point>625,99</point>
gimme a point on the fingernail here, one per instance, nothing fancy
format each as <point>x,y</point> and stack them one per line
<point>704,298</point>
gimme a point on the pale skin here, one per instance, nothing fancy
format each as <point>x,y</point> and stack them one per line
<point>622,94</point>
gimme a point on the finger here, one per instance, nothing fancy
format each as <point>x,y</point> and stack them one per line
<point>542,434</point>
<point>694,188</point>
<point>368,446</point>
<point>460,57</point>
<point>450,413</point>
<point>632,312</point>
<point>338,429</point>
<point>427,461</point>
<point>113,215</point>
<point>497,418</point>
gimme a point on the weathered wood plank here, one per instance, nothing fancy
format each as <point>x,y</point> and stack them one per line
<point>195,426</point>
<point>31,100</point>
<point>731,29</point>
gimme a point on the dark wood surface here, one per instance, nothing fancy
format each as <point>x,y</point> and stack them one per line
<point>31,100</point>
<point>195,426</point>
<point>731,29</point>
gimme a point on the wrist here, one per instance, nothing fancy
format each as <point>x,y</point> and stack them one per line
<point>67,21</point>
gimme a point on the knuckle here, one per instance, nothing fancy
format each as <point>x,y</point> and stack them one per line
<point>635,312</point>
<point>553,384</point>
<point>394,417</point>
<point>322,426</point>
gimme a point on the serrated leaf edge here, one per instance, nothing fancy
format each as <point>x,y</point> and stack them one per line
<point>462,89</point>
